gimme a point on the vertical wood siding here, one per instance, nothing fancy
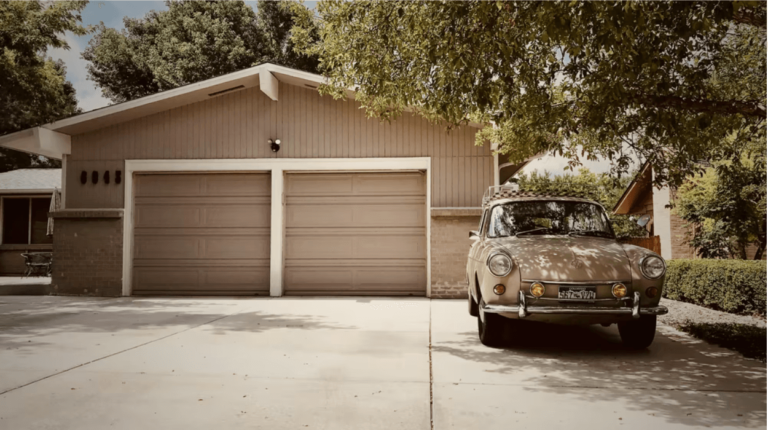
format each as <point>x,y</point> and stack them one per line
<point>238,124</point>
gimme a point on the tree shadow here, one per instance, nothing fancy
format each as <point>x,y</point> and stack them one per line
<point>25,323</point>
<point>681,380</point>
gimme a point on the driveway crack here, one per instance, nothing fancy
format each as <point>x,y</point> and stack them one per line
<point>431,396</point>
<point>118,353</point>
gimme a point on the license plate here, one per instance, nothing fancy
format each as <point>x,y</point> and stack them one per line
<point>577,293</point>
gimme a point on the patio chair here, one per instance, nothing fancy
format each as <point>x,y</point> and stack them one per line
<point>38,263</point>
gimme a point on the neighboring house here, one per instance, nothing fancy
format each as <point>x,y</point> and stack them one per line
<point>25,199</point>
<point>188,192</point>
<point>642,198</point>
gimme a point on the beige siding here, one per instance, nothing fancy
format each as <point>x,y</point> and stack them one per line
<point>237,125</point>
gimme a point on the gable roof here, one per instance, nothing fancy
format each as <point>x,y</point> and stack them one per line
<point>53,140</point>
<point>635,189</point>
<point>30,181</point>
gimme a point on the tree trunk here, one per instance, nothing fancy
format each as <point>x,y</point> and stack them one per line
<point>760,250</point>
<point>742,251</point>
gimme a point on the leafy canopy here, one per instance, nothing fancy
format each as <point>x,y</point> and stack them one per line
<point>599,187</point>
<point>727,206</point>
<point>190,42</point>
<point>33,87</point>
<point>662,81</point>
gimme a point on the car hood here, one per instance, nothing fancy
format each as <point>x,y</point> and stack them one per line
<point>566,258</point>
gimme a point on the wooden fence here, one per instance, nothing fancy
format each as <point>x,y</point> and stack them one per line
<point>653,243</point>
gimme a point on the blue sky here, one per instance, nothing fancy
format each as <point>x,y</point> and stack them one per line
<point>111,13</point>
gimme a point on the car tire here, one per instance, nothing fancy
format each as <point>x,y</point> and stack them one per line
<point>490,327</point>
<point>639,333</point>
<point>472,305</point>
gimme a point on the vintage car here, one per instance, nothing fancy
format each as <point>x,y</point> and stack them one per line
<point>555,259</point>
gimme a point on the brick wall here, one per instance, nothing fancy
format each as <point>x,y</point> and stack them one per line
<point>88,257</point>
<point>450,246</point>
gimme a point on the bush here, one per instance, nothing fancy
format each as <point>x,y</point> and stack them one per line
<point>735,286</point>
<point>746,339</point>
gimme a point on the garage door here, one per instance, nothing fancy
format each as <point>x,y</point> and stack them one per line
<point>201,234</point>
<point>355,234</point>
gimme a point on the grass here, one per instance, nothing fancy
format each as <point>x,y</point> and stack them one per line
<point>748,340</point>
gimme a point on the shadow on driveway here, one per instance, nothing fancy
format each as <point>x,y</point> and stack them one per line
<point>679,379</point>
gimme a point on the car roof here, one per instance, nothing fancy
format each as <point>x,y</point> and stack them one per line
<point>504,194</point>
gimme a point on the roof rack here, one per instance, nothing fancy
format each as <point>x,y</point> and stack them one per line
<point>499,191</point>
<point>496,192</point>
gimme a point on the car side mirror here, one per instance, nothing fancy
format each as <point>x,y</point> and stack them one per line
<point>474,235</point>
<point>643,220</point>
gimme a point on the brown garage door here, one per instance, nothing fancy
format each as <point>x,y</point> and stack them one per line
<point>355,234</point>
<point>201,234</point>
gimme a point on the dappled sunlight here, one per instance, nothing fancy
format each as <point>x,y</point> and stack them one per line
<point>547,358</point>
<point>565,258</point>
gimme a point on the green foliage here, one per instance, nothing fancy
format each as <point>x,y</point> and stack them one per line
<point>598,187</point>
<point>190,42</point>
<point>745,339</point>
<point>734,286</point>
<point>33,88</point>
<point>663,81</point>
<point>727,205</point>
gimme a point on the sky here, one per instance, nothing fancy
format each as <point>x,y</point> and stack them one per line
<point>111,13</point>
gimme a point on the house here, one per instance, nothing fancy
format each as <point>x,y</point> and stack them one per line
<point>253,184</point>
<point>642,198</point>
<point>25,199</point>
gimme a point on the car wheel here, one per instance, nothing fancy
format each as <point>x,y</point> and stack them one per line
<point>490,327</point>
<point>472,305</point>
<point>639,333</point>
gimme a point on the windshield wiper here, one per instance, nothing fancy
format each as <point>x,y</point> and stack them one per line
<point>531,231</point>
<point>589,233</point>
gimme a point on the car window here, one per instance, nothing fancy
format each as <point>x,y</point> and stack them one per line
<point>482,221</point>
<point>549,217</point>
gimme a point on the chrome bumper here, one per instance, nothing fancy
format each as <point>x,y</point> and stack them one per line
<point>523,310</point>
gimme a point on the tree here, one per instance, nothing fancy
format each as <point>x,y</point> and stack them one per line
<point>727,206</point>
<point>660,81</point>
<point>33,88</point>
<point>598,187</point>
<point>190,42</point>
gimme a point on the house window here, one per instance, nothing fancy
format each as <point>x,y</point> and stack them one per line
<point>25,221</point>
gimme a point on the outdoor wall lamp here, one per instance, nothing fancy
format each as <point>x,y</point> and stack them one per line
<point>274,144</point>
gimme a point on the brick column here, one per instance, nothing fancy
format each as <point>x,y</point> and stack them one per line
<point>87,253</point>
<point>450,246</point>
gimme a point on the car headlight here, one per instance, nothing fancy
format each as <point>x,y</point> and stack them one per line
<point>500,264</point>
<point>652,266</point>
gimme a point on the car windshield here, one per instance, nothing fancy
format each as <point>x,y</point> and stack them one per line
<point>549,217</point>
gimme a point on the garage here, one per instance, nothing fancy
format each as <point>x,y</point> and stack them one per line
<point>355,234</point>
<point>201,234</point>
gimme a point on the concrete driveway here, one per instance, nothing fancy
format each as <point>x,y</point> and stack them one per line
<point>347,363</point>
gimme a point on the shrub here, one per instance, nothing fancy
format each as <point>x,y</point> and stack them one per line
<point>735,286</point>
<point>746,339</point>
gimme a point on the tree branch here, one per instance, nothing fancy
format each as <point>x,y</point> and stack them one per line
<point>750,16</point>
<point>731,107</point>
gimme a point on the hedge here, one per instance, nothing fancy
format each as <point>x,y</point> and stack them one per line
<point>735,286</point>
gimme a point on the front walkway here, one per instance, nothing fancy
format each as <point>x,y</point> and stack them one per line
<point>347,363</point>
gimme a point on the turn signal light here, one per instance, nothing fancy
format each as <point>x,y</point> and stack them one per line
<point>651,292</point>
<point>537,290</point>
<point>499,289</point>
<point>619,290</point>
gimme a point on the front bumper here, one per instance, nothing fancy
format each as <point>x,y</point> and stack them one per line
<point>523,310</point>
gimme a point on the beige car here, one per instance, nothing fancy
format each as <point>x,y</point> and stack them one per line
<point>556,259</point>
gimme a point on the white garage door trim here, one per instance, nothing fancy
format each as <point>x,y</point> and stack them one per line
<point>278,167</point>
